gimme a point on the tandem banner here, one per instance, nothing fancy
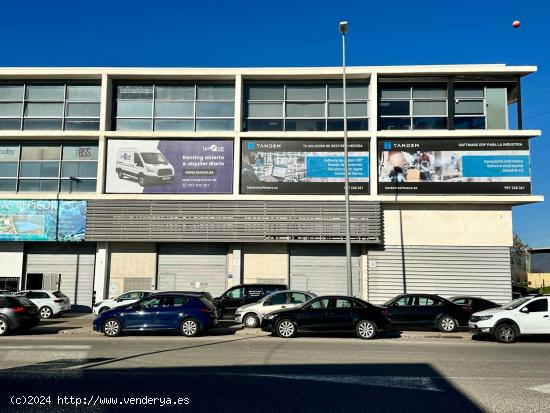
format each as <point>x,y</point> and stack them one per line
<point>303,166</point>
<point>170,166</point>
<point>453,166</point>
<point>42,220</point>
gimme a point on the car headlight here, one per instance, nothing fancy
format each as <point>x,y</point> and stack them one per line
<point>269,317</point>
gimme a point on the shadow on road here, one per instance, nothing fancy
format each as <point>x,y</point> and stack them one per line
<point>267,388</point>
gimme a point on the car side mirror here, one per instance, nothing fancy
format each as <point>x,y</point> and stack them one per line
<point>524,310</point>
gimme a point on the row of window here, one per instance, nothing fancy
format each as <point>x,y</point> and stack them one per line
<point>48,167</point>
<point>281,106</point>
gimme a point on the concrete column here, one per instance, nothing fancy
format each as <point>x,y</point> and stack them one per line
<point>11,260</point>
<point>101,274</point>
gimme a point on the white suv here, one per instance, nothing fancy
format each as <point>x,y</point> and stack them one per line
<point>126,298</point>
<point>251,314</point>
<point>527,315</point>
<point>49,303</point>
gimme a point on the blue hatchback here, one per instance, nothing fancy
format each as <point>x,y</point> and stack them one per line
<point>189,314</point>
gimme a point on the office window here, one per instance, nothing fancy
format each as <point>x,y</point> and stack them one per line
<point>37,167</point>
<point>470,107</point>
<point>304,107</point>
<point>412,107</point>
<point>175,107</point>
<point>60,106</point>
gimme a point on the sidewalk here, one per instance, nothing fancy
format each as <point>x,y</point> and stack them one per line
<point>81,325</point>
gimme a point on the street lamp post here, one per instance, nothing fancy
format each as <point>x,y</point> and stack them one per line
<point>344,30</point>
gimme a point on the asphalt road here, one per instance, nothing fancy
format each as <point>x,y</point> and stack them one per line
<point>244,373</point>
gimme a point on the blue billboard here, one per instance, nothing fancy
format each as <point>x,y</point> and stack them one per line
<point>42,220</point>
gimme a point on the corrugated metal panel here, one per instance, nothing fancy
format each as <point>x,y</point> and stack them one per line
<point>322,269</point>
<point>75,263</point>
<point>192,267</point>
<point>447,271</point>
<point>231,221</point>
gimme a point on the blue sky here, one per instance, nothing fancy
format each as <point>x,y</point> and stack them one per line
<point>235,33</point>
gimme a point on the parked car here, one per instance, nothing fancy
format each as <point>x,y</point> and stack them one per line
<point>251,314</point>
<point>329,313</point>
<point>525,315</point>
<point>240,295</point>
<point>126,298</point>
<point>5,292</point>
<point>474,304</point>
<point>427,310</point>
<point>17,313</point>
<point>50,303</point>
<point>188,314</point>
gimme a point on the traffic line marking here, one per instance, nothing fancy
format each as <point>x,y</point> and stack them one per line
<point>544,388</point>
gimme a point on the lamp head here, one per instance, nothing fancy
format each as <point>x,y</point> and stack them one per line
<point>344,27</point>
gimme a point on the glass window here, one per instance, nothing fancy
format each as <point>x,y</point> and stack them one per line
<point>429,108</point>
<point>341,303</point>
<point>34,152</point>
<point>8,185</point>
<point>11,109</point>
<point>235,293</point>
<point>255,292</point>
<point>265,110</point>
<point>78,185</point>
<point>135,109</point>
<point>83,110</point>
<point>175,92</point>
<point>424,301</point>
<point>264,92</point>
<point>403,301</point>
<point>173,124</point>
<point>305,125</point>
<point>8,169</point>
<point>173,301</point>
<point>135,92</point>
<point>401,93</point>
<point>80,152</point>
<point>39,170</point>
<point>11,92</point>
<point>319,304</point>
<point>306,92</point>
<point>174,109</point>
<point>43,124</point>
<point>298,298</point>
<point>84,92</point>
<point>353,92</point>
<point>134,124</point>
<point>44,109</point>
<point>215,109</point>
<point>264,125</point>
<point>215,92</point>
<point>307,110</point>
<point>79,169</point>
<point>469,107</point>
<point>81,124</point>
<point>538,306</point>
<point>45,92</point>
<point>394,108</point>
<point>150,302</point>
<point>470,122</point>
<point>428,93</point>
<point>214,124</point>
<point>353,109</point>
<point>10,124</point>
<point>469,92</point>
<point>276,299</point>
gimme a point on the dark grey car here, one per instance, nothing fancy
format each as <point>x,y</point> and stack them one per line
<point>17,313</point>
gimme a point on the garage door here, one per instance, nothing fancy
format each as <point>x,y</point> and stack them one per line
<point>74,262</point>
<point>447,271</point>
<point>192,267</point>
<point>322,269</point>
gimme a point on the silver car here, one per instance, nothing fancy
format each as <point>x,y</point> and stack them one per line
<point>49,303</point>
<point>251,314</point>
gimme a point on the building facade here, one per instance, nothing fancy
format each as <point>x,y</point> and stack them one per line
<point>201,179</point>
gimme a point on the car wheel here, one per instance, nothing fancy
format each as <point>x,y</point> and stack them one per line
<point>112,327</point>
<point>506,333</point>
<point>447,324</point>
<point>286,328</point>
<point>141,180</point>
<point>45,312</point>
<point>366,330</point>
<point>189,327</point>
<point>102,309</point>
<point>4,327</point>
<point>251,320</point>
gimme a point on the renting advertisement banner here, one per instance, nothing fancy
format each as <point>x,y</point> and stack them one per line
<point>303,166</point>
<point>42,220</point>
<point>170,166</point>
<point>453,166</point>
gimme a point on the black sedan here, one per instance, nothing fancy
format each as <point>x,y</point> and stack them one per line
<point>17,313</point>
<point>329,313</point>
<point>474,304</point>
<point>427,310</point>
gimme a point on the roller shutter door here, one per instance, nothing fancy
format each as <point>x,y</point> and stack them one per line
<point>447,271</point>
<point>322,269</point>
<point>74,262</point>
<point>192,267</point>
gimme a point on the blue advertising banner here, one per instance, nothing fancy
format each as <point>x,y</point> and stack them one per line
<point>454,166</point>
<point>170,166</point>
<point>42,220</point>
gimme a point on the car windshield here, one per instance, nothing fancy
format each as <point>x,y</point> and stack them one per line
<point>516,303</point>
<point>59,294</point>
<point>154,158</point>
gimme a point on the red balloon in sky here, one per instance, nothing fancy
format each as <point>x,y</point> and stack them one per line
<point>516,24</point>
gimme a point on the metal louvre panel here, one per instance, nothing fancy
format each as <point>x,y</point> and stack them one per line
<point>447,271</point>
<point>231,221</point>
<point>322,269</point>
<point>75,263</point>
<point>181,266</point>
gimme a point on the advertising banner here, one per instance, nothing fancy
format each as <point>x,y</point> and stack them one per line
<point>42,220</point>
<point>453,166</point>
<point>303,166</point>
<point>182,166</point>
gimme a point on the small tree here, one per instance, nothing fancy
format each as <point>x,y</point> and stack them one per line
<point>518,258</point>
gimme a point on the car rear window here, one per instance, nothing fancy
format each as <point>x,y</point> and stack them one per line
<point>19,301</point>
<point>59,294</point>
